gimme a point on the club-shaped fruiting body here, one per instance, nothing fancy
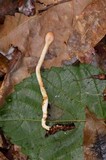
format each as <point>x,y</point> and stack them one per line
<point>48,40</point>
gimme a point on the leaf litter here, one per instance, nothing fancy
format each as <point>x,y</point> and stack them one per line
<point>66,15</point>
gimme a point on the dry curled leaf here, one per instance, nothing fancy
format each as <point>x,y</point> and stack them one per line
<point>94,137</point>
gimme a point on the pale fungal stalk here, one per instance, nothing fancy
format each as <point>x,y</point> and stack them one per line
<point>48,40</point>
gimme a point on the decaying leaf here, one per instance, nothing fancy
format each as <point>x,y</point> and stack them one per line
<point>89,28</point>
<point>94,137</point>
<point>59,20</point>
<point>8,82</point>
<point>29,36</point>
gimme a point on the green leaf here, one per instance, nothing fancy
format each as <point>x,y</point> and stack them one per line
<point>70,89</point>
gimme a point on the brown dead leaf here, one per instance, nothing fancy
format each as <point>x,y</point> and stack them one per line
<point>29,36</point>
<point>94,137</point>
<point>61,20</point>
<point>89,28</point>
<point>11,78</point>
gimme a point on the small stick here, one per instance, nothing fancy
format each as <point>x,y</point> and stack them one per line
<point>48,40</point>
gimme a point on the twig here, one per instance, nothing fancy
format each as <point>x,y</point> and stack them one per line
<point>48,40</point>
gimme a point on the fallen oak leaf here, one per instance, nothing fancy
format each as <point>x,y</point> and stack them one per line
<point>94,137</point>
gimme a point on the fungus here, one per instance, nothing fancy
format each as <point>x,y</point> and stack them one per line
<point>48,40</point>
